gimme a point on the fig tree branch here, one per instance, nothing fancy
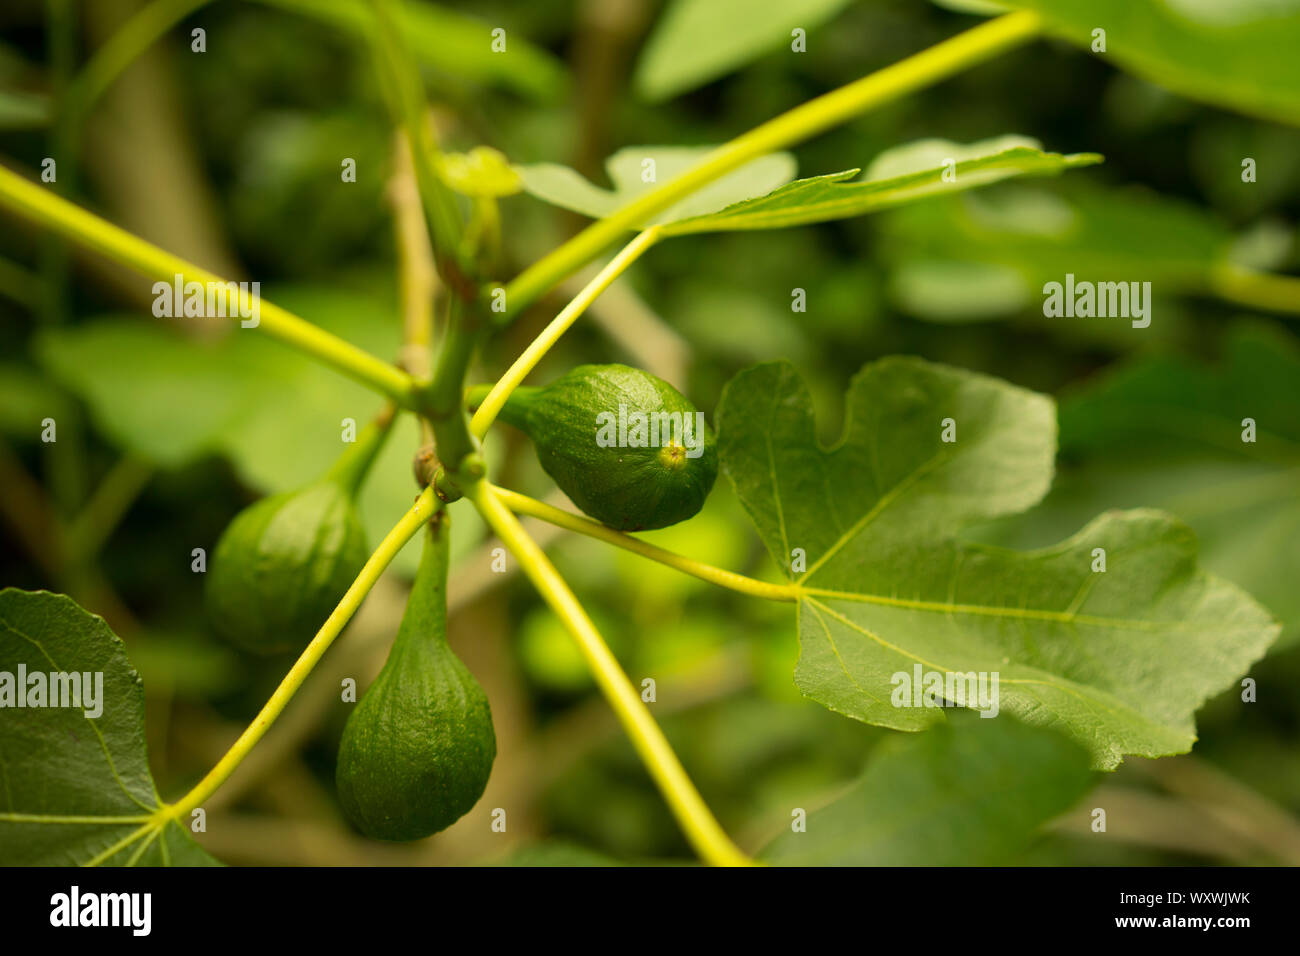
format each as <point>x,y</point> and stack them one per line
<point>42,207</point>
<point>404,91</point>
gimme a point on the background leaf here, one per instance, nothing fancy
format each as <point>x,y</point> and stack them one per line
<point>1120,660</point>
<point>452,42</point>
<point>1094,234</point>
<point>971,792</point>
<point>19,110</point>
<point>562,186</point>
<point>26,399</point>
<point>1166,430</point>
<point>696,41</point>
<point>276,415</point>
<point>557,853</point>
<point>57,762</point>
<point>264,162</point>
<point>897,176</point>
<point>1238,54</point>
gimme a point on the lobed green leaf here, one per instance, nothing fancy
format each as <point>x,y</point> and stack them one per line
<point>276,415</point>
<point>966,793</point>
<point>452,42</point>
<point>919,170</point>
<point>628,172</point>
<point>1168,431</point>
<point>1239,54</point>
<point>696,41</point>
<point>1015,239</point>
<point>1119,659</point>
<point>76,789</point>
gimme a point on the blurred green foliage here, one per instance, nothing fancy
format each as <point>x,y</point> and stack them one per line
<point>261,123</point>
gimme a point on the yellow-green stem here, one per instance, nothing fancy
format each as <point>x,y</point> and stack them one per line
<point>46,209</point>
<point>522,504</point>
<point>416,275</point>
<point>401,81</point>
<point>701,829</point>
<point>122,48</point>
<point>907,76</point>
<point>352,467</point>
<point>496,398</point>
<point>411,522</point>
<point>442,402</point>
<point>86,534</point>
<point>62,28</point>
<point>1258,290</point>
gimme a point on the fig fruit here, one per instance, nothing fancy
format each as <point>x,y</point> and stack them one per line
<point>283,563</point>
<point>418,748</point>
<point>624,445</point>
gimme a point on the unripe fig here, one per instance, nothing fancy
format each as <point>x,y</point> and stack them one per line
<point>281,567</point>
<point>284,563</point>
<point>418,748</point>
<point>624,445</point>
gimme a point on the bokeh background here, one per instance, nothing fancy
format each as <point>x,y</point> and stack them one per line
<point>230,158</point>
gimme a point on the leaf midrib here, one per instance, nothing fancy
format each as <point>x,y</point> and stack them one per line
<point>1065,685</point>
<point>992,610</point>
<point>863,193</point>
<point>882,503</point>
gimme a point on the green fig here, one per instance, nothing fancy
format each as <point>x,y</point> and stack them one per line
<point>624,445</point>
<point>418,748</point>
<point>284,563</point>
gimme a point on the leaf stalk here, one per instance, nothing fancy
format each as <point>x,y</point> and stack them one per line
<point>693,815</point>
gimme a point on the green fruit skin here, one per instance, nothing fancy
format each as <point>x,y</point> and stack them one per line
<point>630,489</point>
<point>417,750</point>
<point>282,565</point>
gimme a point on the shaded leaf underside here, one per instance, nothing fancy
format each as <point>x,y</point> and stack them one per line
<point>830,197</point>
<point>967,793</point>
